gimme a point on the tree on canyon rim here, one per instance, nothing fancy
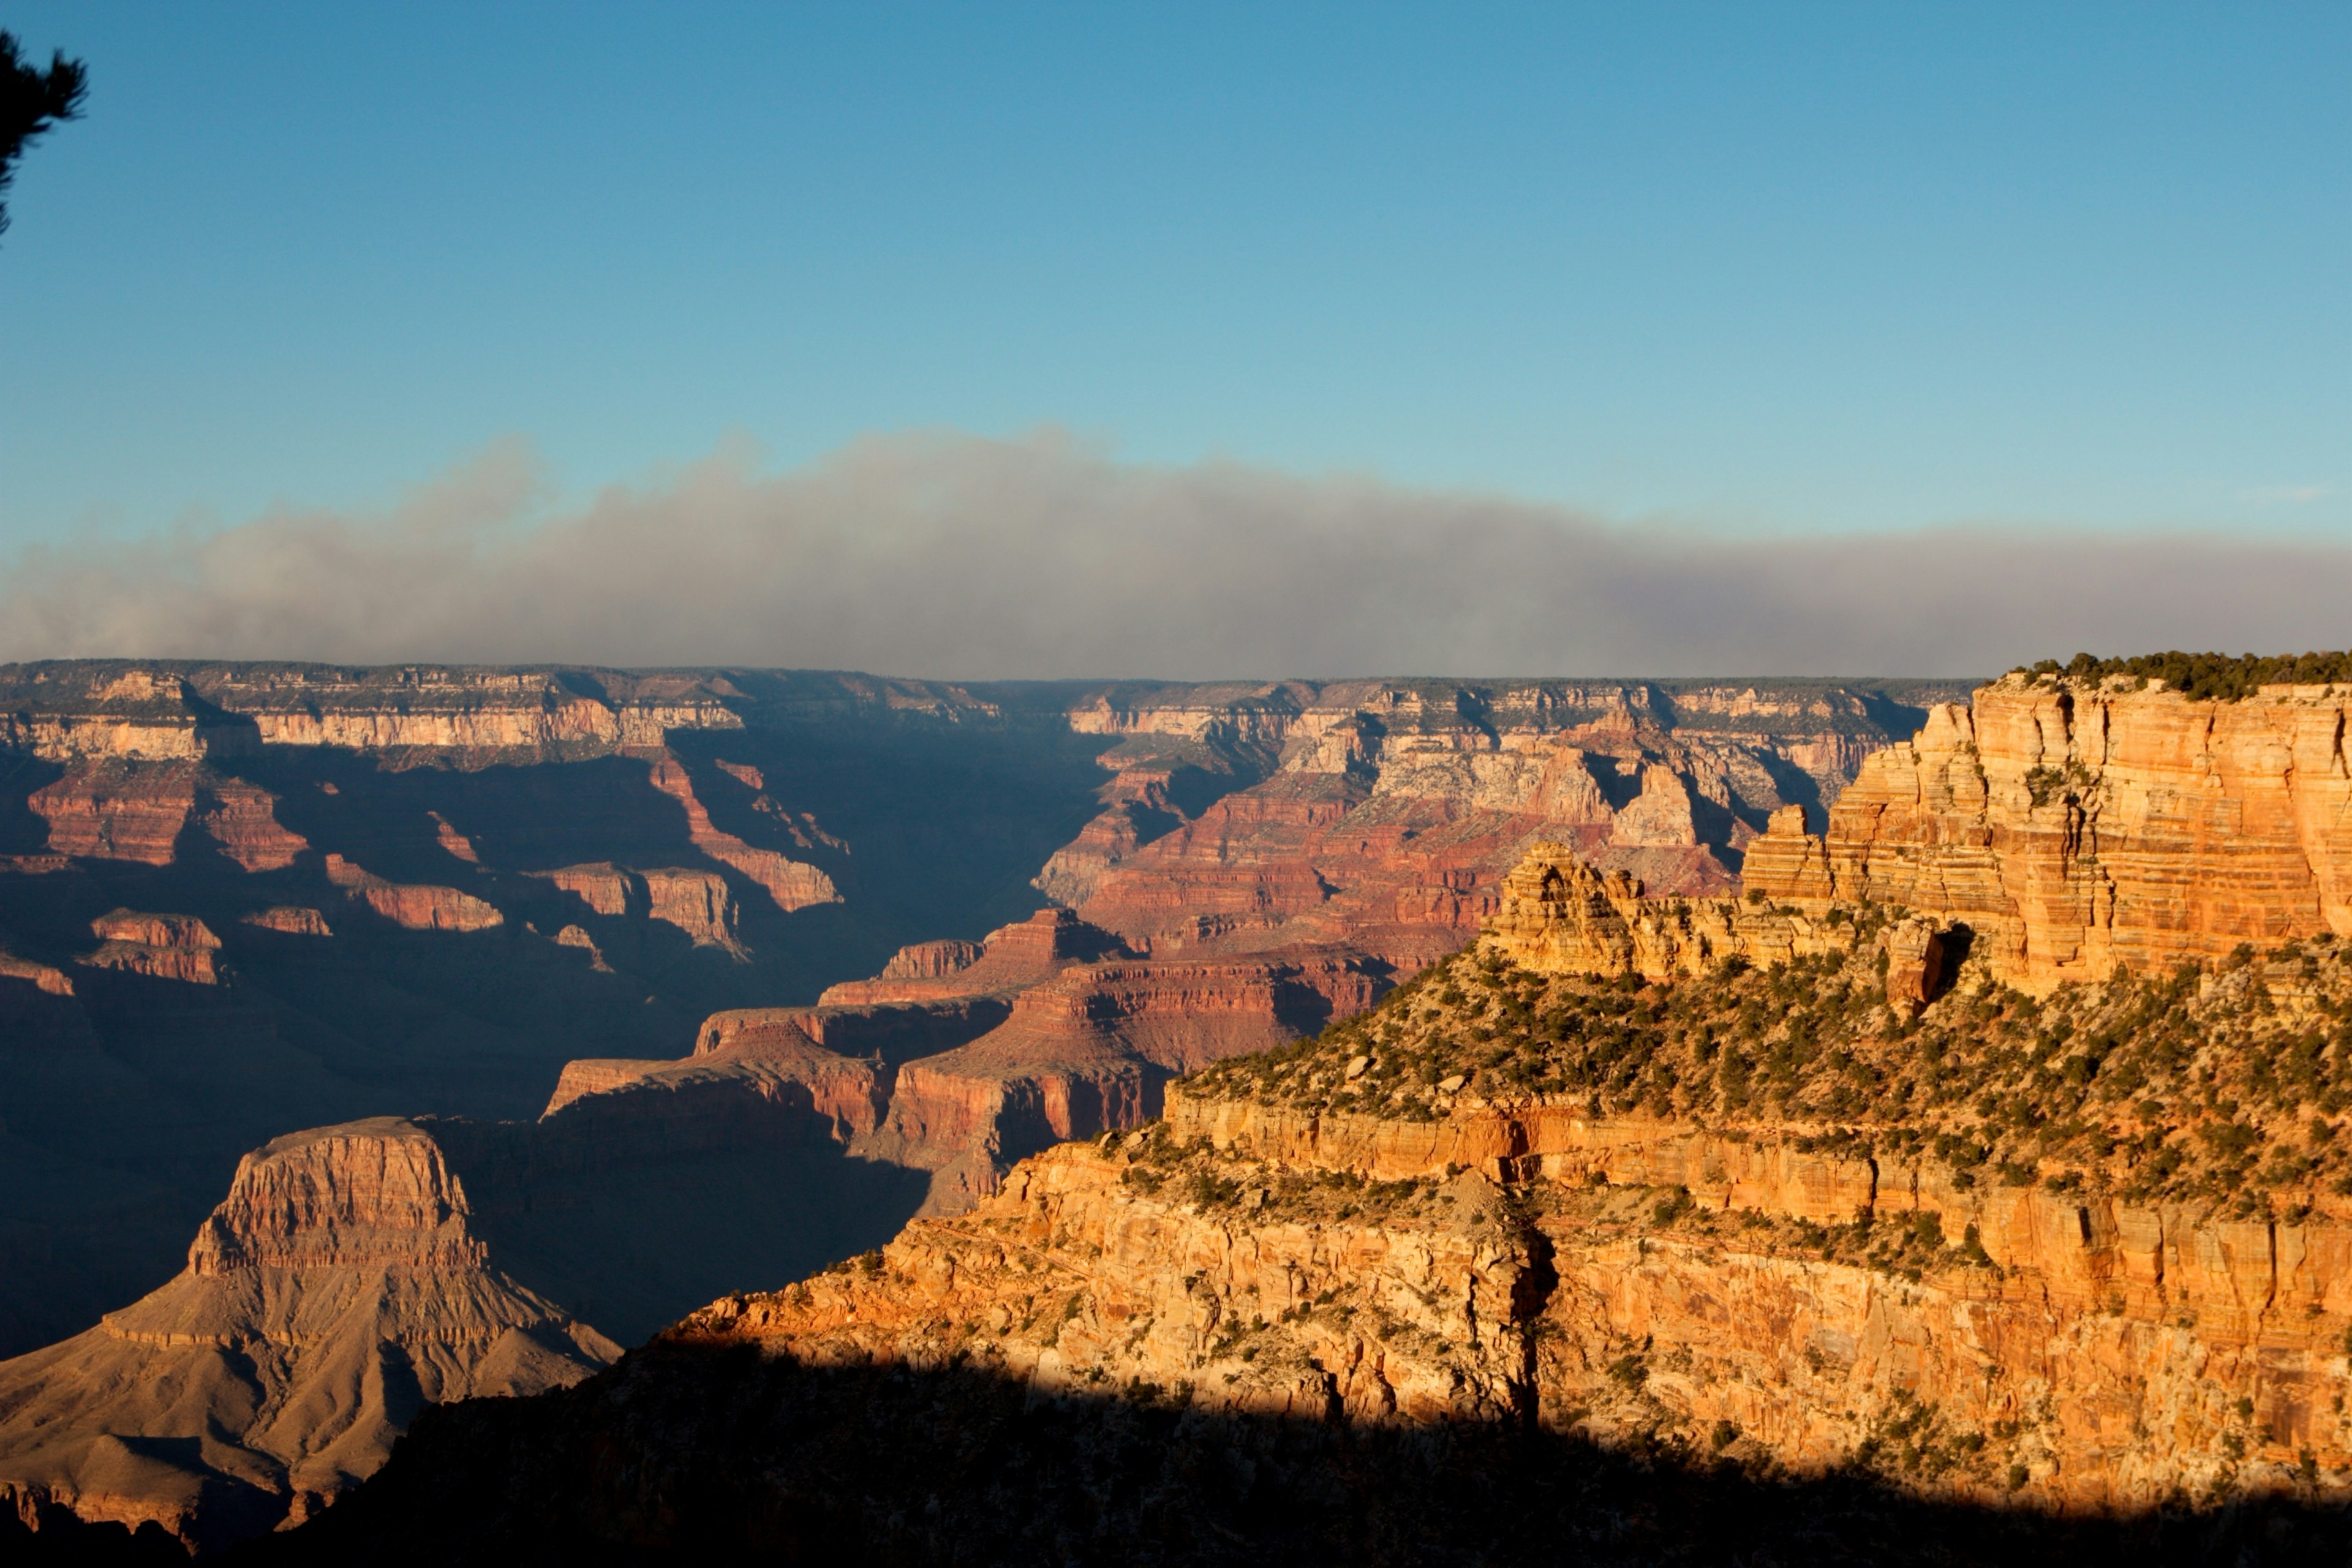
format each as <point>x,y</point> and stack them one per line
<point>32,101</point>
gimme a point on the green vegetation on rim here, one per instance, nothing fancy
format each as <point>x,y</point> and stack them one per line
<point>2206,677</point>
<point>2227,1091</point>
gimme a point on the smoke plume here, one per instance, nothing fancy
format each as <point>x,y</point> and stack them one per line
<point>962,558</point>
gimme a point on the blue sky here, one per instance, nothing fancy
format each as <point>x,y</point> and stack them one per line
<point>1758,268</point>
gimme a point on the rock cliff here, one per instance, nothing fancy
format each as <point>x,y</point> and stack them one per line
<point>2076,825</point>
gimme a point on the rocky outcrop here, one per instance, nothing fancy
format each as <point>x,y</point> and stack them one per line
<point>1012,958</point>
<point>163,947</point>
<point>607,888</point>
<point>294,920</point>
<point>2076,825</point>
<point>1252,1284</point>
<point>846,1057</point>
<point>452,841</point>
<point>698,902</point>
<point>485,712</point>
<point>335,1290</point>
<point>1388,813</point>
<point>1559,916</point>
<point>109,809</point>
<point>931,960</point>
<point>242,819</point>
<point>415,907</point>
<point>576,936</point>
<point>41,977</point>
<point>892,1033</point>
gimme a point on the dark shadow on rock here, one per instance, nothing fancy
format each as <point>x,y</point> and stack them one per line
<point>1795,787</point>
<point>687,1454</point>
<point>1899,720</point>
<point>68,1542</point>
<point>23,830</point>
<point>630,1223</point>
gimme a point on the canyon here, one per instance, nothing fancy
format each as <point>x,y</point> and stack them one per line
<point>858,1022</point>
<point>431,888</point>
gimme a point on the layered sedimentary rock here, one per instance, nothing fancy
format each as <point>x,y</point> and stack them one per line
<point>163,947</point>
<point>114,810</point>
<point>334,1291</point>
<point>931,960</point>
<point>241,818</point>
<point>41,977</point>
<point>458,845</point>
<point>846,1057</point>
<point>698,902</point>
<point>1558,915</point>
<point>416,907</point>
<point>2076,825</point>
<point>607,888</point>
<point>1366,828</point>
<point>294,920</point>
<point>2068,1363</point>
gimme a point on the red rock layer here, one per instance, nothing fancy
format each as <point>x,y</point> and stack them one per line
<point>698,902</point>
<point>2112,1359</point>
<point>110,810</point>
<point>163,947</point>
<point>41,977</point>
<point>931,960</point>
<point>1013,958</point>
<point>160,930</point>
<point>891,1033</point>
<point>793,885</point>
<point>416,907</point>
<point>453,841</point>
<point>607,888</point>
<point>241,818</point>
<point>1403,859</point>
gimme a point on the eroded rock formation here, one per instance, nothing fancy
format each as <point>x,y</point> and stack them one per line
<point>334,1291</point>
<point>163,947</point>
<point>415,907</point>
